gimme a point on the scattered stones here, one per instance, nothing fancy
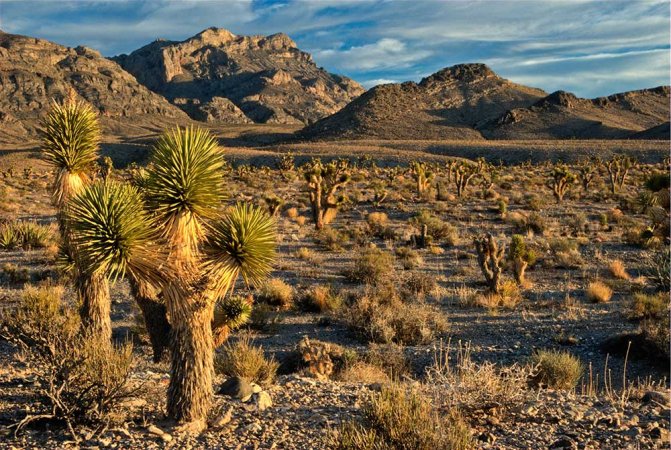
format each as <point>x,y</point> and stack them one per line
<point>156,431</point>
<point>263,401</point>
<point>656,397</point>
<point>564,443</point>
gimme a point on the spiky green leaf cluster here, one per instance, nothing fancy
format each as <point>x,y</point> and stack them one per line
<point>70,137</point>
<point>112,232</point>
<point>242,243</point>
<point>232,311</point>
<point>185,174</point>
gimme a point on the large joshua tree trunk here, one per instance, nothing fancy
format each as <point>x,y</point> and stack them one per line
<point>190,391</point>
<point>94,296</point>
<point>155,317</point>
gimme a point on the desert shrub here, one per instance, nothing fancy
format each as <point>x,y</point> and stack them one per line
<point>331,239</point>
<point>556,369</point>
<point>377,222</point>
<point>398,418</point>
<point>383,318</point>
<point>14,274</point>
<point>291,213</point>
<point>577,223</point>
<point>410,259</point>
<point>276,292</point>
<point>617,269</point>
<point>417,285</point>
<point>80,380</point>
<point>657,181</point>
<point>658,267</point>
<point>598,292</point>
<point>645,306</point>
<point>363,372</point>
<point>321,299</point>
<point>522,224</point>
<point>388,357</point>
<point>373,266</point>
<point>264,318</point>
<point>438,230</point>
<point>245,360</point>
<point>25,235</point>
<point>536,223</point>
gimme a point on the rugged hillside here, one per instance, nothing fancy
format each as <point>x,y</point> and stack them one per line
<point>562,115</point>
<point>450,104</point>
<point>34,71</point>
<point>218,76</point>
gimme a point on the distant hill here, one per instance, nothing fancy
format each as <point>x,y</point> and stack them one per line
<point>562,115</point>
<point>35,71</point>
<point>218,76</point>
<point>450,104</point>
<point>469,101</point>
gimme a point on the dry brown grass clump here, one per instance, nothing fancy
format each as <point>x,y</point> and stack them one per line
<point>556,369</point>
<point>399,418</point>
<point>246,360</point>
<point>618,270</point>
<point>598,292</point>
<point>276,292</point>
<point>321,299</point>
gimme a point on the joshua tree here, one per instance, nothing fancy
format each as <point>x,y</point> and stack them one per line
<point>587,170</point>
<point>70,140</point>
<point>286,167</point>
<point>463,174</point>
<point>323,180</point>
<point>618,168</point>
<point>274,204</point>
<point>206,255</point>
<point>422,175</point>
<point>490,255</point>
<point>562,178</point>
<point>520,256</point>
<point>113,236</point>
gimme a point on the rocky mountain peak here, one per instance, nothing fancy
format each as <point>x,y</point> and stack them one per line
<point>268,78</point>
<point>467,73</point>
<point>558,98</point>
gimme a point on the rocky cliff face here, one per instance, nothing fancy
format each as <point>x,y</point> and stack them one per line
<point>449,104</point>
<point>267,78</point>
<point>33,72</point>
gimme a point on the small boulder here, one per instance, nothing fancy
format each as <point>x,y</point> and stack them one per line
<point>263,401</point>
<point>238,388</point>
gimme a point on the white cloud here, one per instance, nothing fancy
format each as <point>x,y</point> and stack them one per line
<point>385,53</point>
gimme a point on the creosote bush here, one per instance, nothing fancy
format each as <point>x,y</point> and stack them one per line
<point>556,369</point>
<point>399,418</point>
<point>321,299</point>
<point>245,360</point>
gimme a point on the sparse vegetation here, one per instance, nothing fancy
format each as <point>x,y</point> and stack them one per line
<point>556,369</point>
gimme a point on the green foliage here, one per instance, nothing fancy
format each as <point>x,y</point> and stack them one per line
<point>518,250</point>
<point>232,311</point>
<point>241,243</point>
<point>112,232</point>
<point>25,235</point>
<point>71,136</point>
<point>185,175</point>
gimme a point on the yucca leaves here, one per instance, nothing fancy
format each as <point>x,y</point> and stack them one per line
<point>185,176</point>
<point>241,243</point>
<point>71,136</point>
<point>70,139</point>
<point>112,233</point>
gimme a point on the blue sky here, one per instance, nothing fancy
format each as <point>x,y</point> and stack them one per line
<point>591,48</point>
